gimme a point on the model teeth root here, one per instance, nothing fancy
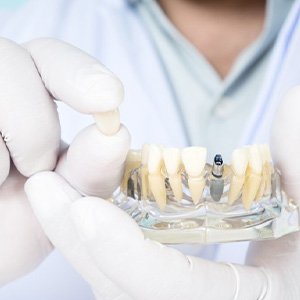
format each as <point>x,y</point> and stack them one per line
<point>172,160</point>
<point>253,177</point>
<point>194,160</point>
<point>239,163</point>
<point>155,178</point>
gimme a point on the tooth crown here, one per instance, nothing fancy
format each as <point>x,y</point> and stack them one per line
<point>173,174</point>
<point>255,159</point>
<point>194,159</point>
<point>155,160</point>
<point>239,161</point>
<point>172,160</point>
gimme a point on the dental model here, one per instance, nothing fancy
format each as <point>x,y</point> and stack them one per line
<point>248,180</point>
<point>177,197</point>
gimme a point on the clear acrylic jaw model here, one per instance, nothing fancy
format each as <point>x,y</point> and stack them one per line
<point>176,197</point>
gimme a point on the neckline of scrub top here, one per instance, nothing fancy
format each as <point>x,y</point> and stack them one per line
<point>276,11</point>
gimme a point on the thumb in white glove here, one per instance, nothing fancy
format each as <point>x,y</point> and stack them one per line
<point>281,258</point>
<point>104,159</point>
<point>108,249</point>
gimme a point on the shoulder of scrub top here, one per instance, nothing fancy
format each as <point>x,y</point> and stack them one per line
<point>23,20</point>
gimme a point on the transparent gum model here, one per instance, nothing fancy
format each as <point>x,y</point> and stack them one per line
<point>176,197</point>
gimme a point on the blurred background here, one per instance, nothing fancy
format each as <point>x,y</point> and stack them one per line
<point>55,279</point>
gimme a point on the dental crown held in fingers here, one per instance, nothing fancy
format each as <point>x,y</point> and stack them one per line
<point>176,196</point>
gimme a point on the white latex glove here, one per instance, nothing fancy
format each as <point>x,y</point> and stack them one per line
<point>109,250</point>
<point>30,77</point>
<point>281,258</point>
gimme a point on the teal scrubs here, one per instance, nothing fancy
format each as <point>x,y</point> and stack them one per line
<point>214,111</point>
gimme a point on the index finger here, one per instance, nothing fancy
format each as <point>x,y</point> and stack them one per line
<point>78,79</point>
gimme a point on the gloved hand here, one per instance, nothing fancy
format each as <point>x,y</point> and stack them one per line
<point>30,77</point>
<point>281,258</point>
<point>109,250</point>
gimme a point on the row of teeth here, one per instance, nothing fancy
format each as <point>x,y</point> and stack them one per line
<point>251,172</point>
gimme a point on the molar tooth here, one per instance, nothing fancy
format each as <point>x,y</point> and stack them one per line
<point>144,171</point>
<point>172,159</point>
<point>265,153</point>
<point>194,159</point>
<point>145,154</point>
<point>133,161</point>
<point>262,186</point>
<point>267,169</point>
<point>265,158</point>
<point>155,177</point>
<point>239,163</point>
<point>253,177</point>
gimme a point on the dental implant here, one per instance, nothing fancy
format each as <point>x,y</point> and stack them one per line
<point>217,181</point>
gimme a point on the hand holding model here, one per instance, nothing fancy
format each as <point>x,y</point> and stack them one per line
<point>109,250</point>
<point>31,77</point>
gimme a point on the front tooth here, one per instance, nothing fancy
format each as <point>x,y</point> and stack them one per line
<point>239,163</point>
<point>155,177</point>
<point>194,159</point>
<point>108,122</point>
<point>255,159</point>
<point>172,159</point>
<point>253,177</point>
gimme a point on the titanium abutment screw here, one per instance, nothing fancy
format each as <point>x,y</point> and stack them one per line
<point>217,181</point>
